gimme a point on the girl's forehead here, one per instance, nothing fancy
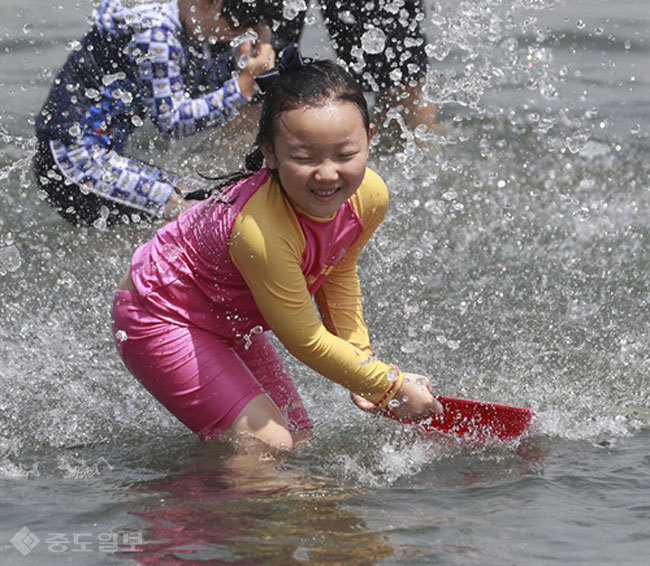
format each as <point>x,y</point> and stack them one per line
<point>312,116</point>
<point>320,128</point>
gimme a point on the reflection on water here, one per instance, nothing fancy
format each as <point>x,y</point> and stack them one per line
<point>274,509</point>
<point>250,507</point>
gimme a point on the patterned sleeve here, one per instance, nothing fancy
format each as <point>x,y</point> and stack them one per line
<point>159,56</point>
<point>104,172</point>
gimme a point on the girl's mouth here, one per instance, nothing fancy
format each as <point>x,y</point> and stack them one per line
<point>325,194</point>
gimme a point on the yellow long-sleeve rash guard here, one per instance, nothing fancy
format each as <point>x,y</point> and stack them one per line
<point>276,248</point>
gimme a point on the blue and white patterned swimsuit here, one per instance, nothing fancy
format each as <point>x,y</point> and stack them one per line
<point>132,63</point>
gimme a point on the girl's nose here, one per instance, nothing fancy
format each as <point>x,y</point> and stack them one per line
<point>326,171</point>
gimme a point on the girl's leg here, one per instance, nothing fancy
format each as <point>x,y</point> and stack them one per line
<point>262,418</point>
<point>264,362</point>
<point>195,375</point>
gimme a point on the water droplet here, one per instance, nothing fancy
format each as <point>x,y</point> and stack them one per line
<point>373,41</point>
<point>576,142</point>
<point>393,404</point>
<point>136,121</point>
<point>27,28</point>
<point>257,329</point>
<point>121,336</point>
<point>10,259</point>
<point>580,24</point>
<point>110,79</point>
<point>440,49</point>
<point>92,93</point>
<point>635,129</point>
<point>248,35</point>
<point>291,8</point>
<point>243,61</point>
<point>582,213</point>
<point>74,130</point>
<point>409,348</point>
<point>392,375</point>
<point>172,252</point>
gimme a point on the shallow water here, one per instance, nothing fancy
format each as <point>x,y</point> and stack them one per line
<point>513,267</point>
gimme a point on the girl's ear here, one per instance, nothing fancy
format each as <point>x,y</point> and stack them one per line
<point>371,132</point>
<point>269,155</point>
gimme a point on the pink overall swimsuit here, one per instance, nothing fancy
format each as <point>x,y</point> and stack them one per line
<point>209,284</point>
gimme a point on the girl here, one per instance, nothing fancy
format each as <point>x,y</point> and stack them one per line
<point>170,61</point>
<point>190,315</point>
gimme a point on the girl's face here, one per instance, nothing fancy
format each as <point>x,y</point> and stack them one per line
<point>320,154</point>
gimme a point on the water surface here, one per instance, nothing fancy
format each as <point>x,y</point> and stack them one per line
<point>513,267</point>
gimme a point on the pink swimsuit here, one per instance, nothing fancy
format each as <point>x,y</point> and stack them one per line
<point>209,284</point>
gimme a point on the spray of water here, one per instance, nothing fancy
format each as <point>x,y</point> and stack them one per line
<point>512,267</point>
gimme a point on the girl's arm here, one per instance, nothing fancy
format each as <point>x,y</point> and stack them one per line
<point>340,303</point>
<point>267,247</point>
<point>340,299</point>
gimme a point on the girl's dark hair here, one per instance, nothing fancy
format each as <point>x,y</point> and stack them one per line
<point>313,84</point>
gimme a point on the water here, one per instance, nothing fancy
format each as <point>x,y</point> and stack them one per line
<point>513,267</point>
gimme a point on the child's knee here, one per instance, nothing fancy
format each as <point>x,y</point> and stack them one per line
<point>262,419</point>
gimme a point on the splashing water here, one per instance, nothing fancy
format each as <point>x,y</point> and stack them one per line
<point>514,242</point>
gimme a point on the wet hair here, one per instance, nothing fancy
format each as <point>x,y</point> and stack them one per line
<point>314,84</point>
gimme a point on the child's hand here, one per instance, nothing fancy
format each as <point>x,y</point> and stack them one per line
<point>414,399</point>
<point>364,404</point>
<point>253,60</point>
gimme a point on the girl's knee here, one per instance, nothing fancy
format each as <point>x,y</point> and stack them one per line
<point>262,419</point>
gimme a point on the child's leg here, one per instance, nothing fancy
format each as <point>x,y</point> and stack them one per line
<point>195,375</point>
<point>262,418</point>
<point>261,357</point>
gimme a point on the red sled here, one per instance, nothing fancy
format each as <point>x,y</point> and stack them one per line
<point>478,419</point>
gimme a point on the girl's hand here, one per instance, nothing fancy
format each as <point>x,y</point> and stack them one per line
<point>414,399</point>
<point>259,58</point>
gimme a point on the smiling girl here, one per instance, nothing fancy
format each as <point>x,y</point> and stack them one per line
<point>190,316</point>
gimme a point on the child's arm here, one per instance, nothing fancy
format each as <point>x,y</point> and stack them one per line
<point>158,55</point>
<point>270,262</point>
<point>339,299</point>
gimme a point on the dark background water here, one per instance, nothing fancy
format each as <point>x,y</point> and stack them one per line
<point>513,267</point>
